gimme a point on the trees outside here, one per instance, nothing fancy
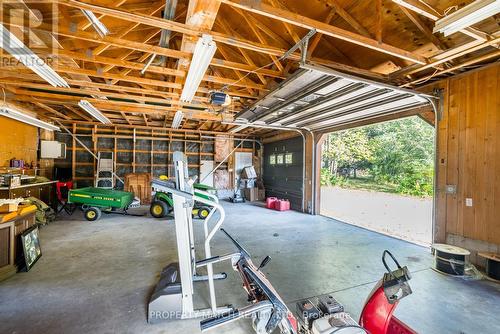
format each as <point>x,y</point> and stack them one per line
<point>396,156</point>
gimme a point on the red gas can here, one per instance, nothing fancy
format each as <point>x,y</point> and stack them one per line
<point>270,202</point>
<point>282,205</point>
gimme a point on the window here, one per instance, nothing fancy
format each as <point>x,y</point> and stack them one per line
<point>280,159</point>
<point>272,159</point>
<point>289,158</point>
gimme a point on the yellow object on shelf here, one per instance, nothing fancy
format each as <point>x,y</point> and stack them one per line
<point>8,216</point>
<point>26,208</point>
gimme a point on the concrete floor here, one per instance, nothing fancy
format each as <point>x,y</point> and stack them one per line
<point>97,277</point>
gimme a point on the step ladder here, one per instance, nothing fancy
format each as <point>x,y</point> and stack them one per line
<point>104,177</point>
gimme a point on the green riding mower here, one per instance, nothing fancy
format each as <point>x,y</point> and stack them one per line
<point>162,203</point>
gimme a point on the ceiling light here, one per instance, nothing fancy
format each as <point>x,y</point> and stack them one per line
<point>93,111</point>
<point>176,123</point>
<point>471,14</point>
<point>10,43</point>
<point>404,3</point>
<point>25,118</point>
<point>98,25</point>
<point>202,56</point>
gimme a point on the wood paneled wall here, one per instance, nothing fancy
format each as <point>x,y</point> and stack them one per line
<point>468,156</point>
<point>17,140</point>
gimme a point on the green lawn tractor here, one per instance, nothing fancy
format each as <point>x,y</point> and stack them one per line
<point>162,204</point>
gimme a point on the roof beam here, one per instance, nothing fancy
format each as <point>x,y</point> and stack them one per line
<point>317,37</point>
<point>238,42</point>
<point>473,61</point>
<point>259,36</point>
<point>326,29</point>
<point>348,18</point>
<point>110,105</point>
<point>423,28</point>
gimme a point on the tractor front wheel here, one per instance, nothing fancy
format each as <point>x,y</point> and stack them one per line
<point>203,212</point>
<point>92,213</point>
<point>159,209</point>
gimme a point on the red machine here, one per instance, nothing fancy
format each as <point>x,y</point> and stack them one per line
<point>318,315</point>
<point>377,316</point>
<point>325,315</point>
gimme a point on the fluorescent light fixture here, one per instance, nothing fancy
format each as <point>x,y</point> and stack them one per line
<point>176,123</point>
<point>22,117</point>
<point>98,25</point>
<point>471,14</point>
<point>10,43</point>
<point>416,9</point>
<point>202,56</point>
<point>93,111</point>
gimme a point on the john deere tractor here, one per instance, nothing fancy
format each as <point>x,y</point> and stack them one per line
<point>162,203</point>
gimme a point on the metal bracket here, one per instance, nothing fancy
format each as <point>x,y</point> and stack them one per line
<point>302,45</point>
<point>439,104</point>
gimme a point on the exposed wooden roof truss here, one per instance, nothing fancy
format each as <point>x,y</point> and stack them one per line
<point>385,40</point>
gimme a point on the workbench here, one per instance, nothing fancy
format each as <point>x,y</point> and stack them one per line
<point>45,191</point>
<point>11,252</point>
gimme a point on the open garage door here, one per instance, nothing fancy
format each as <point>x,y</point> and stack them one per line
<point>381,177</point>
<point>317,98</point>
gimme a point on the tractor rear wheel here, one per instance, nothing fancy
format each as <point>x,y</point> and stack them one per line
<point>159,209</point>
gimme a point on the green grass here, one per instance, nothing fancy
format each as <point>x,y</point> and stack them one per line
<point>366,183</point>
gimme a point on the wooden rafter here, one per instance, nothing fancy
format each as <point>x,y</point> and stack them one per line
<point>326,29</point>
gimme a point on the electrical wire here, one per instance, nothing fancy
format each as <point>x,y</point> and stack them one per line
<point>449,9</point>
<point>430,7</point>
<point>246,75</point>
<point>349,326</point>
<point>429,78</point>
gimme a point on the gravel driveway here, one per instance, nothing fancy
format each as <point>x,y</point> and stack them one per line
<point>404,217</point>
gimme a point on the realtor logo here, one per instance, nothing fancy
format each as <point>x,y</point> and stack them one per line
<point>28,27</point>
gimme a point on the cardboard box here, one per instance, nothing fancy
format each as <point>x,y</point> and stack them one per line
<point>251,194</point>
<point>248,173</point>
<point>8,207</point>
<point>261,194</point>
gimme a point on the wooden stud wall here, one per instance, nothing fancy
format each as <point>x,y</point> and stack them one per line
<point>130,157</point>
<point>121,141</point>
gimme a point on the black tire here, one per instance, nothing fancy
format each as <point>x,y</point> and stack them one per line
<point>203,212</point>
<point>159,209</point>
<point>92,214</point>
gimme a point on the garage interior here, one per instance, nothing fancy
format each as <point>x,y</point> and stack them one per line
<point>151,150</point>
